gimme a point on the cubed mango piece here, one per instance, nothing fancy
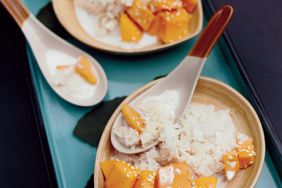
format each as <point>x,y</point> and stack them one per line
<point>156,25</point>
<point>175,26</point>
<point>174,176</point>
<point>181,175</point>
<point>206,182</point>
<point>246,153</point>
<point>122,175</point>
<point>86,70</point>
<point>141,14</point>
<point>107,166</point>
<point>165,5</point>
<point>133,118</point>
<point>146,179</point>
<point>130,32</point>
<point>190,5</point>
<point>231,164</point>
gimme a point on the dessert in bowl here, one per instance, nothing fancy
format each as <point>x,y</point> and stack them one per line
<point>219,142</point>
<point>130,26</point>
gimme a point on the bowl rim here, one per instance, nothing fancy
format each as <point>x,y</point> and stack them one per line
<point>121,51</point>
<point>134,94</point>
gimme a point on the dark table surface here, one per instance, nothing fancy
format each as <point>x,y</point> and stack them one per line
<point>24,162</point>
<point>256,32</point>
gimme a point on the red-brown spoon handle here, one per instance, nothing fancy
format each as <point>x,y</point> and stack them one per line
<point>17,10</point>
<point>212,32</point>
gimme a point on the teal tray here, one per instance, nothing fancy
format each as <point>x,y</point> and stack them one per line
<point>74,160</point>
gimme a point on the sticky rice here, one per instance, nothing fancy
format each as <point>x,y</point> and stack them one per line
<point>201,138</point>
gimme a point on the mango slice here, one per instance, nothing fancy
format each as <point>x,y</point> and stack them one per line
<point>122,175</point>
<point>156,25</point>
<point>85,69</point>
<point>146,179</point>
<point>246,153</point>
<point>129,31</point>
<point>133,118</point>
<point>107,166</point>
<point>175,26</point>
<point>176,175</point>
<point>141,14</point>
<point>206,182</point>
<point>231,164</point>
<point>163,5</point>
<point>190,5</point>
<point>181,175</point>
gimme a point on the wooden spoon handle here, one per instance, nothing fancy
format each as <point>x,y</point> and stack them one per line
<point>17,10</point>
<point>212,32</point>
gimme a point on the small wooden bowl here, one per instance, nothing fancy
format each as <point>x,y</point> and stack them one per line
<point>65,12</point>
<point>208,91</point>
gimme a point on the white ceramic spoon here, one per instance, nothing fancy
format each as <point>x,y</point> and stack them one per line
<point>42,41</point>
<point>184,77</point>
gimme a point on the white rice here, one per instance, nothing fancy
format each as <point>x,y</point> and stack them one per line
<point>201,138</point>
<point>100,19</point>
<point>106,12</point>
<point>127,136</point>
<point>156,111</point>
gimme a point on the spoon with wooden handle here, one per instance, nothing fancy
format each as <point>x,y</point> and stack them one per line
<point>42,41</point>
<point>183,78</point>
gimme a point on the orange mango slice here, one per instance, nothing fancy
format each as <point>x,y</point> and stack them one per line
<point>122,175</point>
<point>206,182</point>
<point>156,25</point>
<point>133,118</point>
<point>175,26</point>
<point>85,69</point>
<point>246,153</point>
<point>141,14</point>
<point>130,32</point>
<point>162,5</point>
<point>181,175</point>
<point>176,175</point>
<point>146,179</point>
<point>107,166</point>
<point>190,5</point>
<point>231,164</point>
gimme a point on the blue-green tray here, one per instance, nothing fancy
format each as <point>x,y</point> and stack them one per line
<point>74,160</point>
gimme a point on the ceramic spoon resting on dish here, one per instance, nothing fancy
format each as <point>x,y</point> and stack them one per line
<point>184,78</point>
<point>52,53</point>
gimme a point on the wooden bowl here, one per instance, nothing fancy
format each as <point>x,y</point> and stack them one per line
<point>208,91</point>
<point>65,12</point>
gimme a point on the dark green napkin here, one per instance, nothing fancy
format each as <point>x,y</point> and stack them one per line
<point>90,182</point>
<point>90,127</point>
